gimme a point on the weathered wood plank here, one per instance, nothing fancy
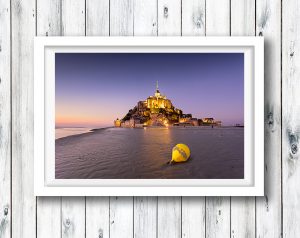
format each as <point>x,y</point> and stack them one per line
<point>193,208</point>
<point>121,208</point>
<point>73,217</point>
<point>242,217</point>
<point>169,208</point>
<point>145,17</point>
<point>290,117</point>
<point>23,200</point>
<point>73,17</point>
<point>48,217</point>
<point>5,120</point>
<point>121,217</point>
<point>145,208</point>
<point>49,20</point>
<point>145,217</point>
<point>242,18</point>
<point>169,17</point>
<point>73,209</point>
<point>193,17</point>
<point>121,17</point>
<point>97,217</point>
<point>217,217</point>
<point>218,208</point>
<point>242,208</point>
<point>193,217</point>
<point>268,208</point>
<point>97,208</point>
<point>169,217</point>
<point>97,17</point>
<point>48,208</point>
<point>218,17</point>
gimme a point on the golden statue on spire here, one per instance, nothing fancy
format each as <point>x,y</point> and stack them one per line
<point>157,92</point>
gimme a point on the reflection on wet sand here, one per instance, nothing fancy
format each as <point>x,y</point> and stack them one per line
<point>124,153</point>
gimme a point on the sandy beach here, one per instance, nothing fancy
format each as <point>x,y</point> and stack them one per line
<point>124,153</point>
<point>69,131</point>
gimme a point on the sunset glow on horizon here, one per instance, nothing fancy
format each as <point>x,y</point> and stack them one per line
<point>93,89</point>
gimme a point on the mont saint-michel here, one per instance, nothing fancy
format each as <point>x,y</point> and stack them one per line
<point>119,115</point>
<point>158,110</point>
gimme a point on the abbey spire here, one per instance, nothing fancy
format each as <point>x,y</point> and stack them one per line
<point>157,92</point>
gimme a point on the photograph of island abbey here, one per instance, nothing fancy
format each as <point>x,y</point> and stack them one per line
<point>158,110</point>
<point>149,116</point>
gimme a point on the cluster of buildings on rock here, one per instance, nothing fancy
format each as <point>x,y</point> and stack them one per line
<point>157,110</point>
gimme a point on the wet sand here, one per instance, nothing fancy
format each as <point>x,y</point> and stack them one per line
<point>69,131</point>
<point>125,153</point>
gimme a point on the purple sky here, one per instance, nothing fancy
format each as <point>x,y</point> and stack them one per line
<point>93,89</point>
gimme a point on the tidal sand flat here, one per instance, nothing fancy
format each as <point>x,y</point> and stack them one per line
<point>125,153</point>
<point>68,131</point>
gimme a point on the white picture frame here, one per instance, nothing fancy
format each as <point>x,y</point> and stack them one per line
<point>45,183</point>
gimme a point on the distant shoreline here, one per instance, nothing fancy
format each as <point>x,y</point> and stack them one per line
<point>88,130</point>
<point>148,127</point>
<point>191,127</point>
<point>98,129</point>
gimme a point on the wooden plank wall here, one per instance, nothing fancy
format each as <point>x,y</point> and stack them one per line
<point>274,215</point>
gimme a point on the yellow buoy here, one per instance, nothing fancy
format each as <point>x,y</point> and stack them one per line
<point>180,153</point>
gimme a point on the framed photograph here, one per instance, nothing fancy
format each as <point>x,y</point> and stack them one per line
<point>149,116</point>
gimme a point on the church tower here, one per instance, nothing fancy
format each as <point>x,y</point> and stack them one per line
<point>157,93</point>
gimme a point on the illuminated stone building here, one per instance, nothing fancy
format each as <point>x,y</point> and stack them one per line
<point>185,118</point>
<point>157,110</point>
<point>117,123</point>
<point>158,101</point>
<point>208,120</point>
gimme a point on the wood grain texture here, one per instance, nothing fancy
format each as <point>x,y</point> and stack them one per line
<point>169,217</point>
<point>169,17</point>
<point>121,208</point>
<point>193,217</point>
<point>23,200</point>
<point>5,120</point>
<point>218,17</point>
<point>73,217</point>
<point>268,208</point>
<point>97,208</point>
<point>73,209</point>
<point>217,217</point>
<point>48,20</point>
<point>48,209</point>
<point>242,16</point>
<point>97,17</point>
<point>242,208</point>
<point>290,117</point>
<point>169,208</point>
<point>218,208</point>
<point>121,17</point>
<point>97,217</point>
<point>193,17</point>
<point>145,17</point>
<point>145,208</point>
<point>48,223</point>
<point>193,208</point>
<point>145,217</point>
<point>121,217</point>
<point>242,217</point>
<point>73,17</point>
